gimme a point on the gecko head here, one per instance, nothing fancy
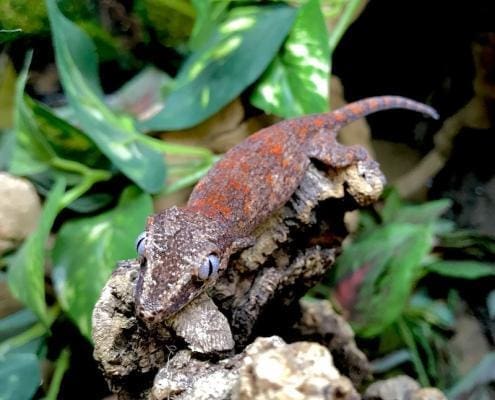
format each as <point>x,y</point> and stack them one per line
<point>181,255</point>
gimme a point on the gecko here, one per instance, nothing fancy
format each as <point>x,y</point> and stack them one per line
<point>184,250</point>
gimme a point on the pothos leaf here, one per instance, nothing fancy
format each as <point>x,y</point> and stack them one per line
<point>87,250</point>
<point>20,376</point>
<point>235,55</point>
<point>115,135</point>
<point>296,82</point>
<point>27,271</point>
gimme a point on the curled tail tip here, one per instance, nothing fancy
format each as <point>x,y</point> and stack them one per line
<point>421,107</point>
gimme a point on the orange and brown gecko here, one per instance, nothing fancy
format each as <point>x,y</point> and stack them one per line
<point>183,250</point>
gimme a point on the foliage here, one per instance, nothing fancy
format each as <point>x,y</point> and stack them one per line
<point>296,82</point>
<point>93,159</point>
<point>234,56</point>
<point>94,245</point>
<point>381,280</point>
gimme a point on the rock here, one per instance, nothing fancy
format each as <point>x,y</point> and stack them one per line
<point>428,394</point>
<point>185,377</point>
<point>19,210</point>
<point>267,369</point>
<point>320,323</point>
<point>272,369</point>
<point>398,388</point>
<point>401,388</point>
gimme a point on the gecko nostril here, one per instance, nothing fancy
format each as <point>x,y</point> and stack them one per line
<point>147,315</point>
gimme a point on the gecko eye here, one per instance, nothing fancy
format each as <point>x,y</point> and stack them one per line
<point>209,267</point>
<point>140,243</point>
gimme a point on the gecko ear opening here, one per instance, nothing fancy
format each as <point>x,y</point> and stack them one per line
<point>209,267</point>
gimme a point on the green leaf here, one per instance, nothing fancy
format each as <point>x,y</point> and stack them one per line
<point>391,257</point>
<point>435,312</point>
<point>66,140</point>
<point>481,374</point>
<point>390,361</point>
<point>490,304</point>
<point>392,204</point>
<point>372,251</point>
<point>423,336</point>
<point>87,249</point>
<point>32,153</point>
<point>91,202</point>
<point>27,270</point>
<point>20,376</point>
<point>426,213</point>
<point>235,55</point>
<point>7,91</point>
<point>462,269</point>
<point>115,135</point>
<point>15,323</point>
<point>42,139</point>
<point>6,35</point>
<point>7,143</point>
<point>208,15</point>
<point>408,338</point>
<point>473,244</point>
<point>296,82</point>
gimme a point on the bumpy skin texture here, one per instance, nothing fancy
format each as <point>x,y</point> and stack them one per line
<point>252,180</point>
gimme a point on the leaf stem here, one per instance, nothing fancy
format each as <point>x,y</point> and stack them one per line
<point>61,366</point>
<point>174,148</point>
<point>22,338</point>
<point>74,166</point>
<point>408,339</point>
<point>342,24</point>
<point>33,332</point>
<point>90,177</point>
<point>77,191</point>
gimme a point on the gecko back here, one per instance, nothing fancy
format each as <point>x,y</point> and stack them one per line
<point>260,174</point>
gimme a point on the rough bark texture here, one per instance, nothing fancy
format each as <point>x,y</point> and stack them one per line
<point>201,352</point>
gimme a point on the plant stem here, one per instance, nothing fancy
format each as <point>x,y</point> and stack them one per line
<point>29,334</point>
<point>22,338</point>
<point>176,149</point>
<point>342,24</point>
<point>78,191</point>
<point>61,365</point>
<point>74,166</point>
<point>408,339</point>
<point>90,177</point>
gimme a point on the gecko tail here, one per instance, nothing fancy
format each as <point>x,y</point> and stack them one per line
<point>361,108</point>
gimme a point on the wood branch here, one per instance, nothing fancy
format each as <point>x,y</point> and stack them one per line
<point>201,352</point>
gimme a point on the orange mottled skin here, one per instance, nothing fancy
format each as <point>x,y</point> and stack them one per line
<point>252,180</point>
<point>260,174</point>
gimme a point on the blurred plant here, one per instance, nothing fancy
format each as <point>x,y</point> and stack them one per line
<point>380,280</point>
<point>28,16</point>
<point>93,156</point>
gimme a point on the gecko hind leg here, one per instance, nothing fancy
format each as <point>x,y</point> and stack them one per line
<point>325,148</point>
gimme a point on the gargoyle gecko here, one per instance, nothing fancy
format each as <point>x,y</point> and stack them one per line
<point>183,250</point>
